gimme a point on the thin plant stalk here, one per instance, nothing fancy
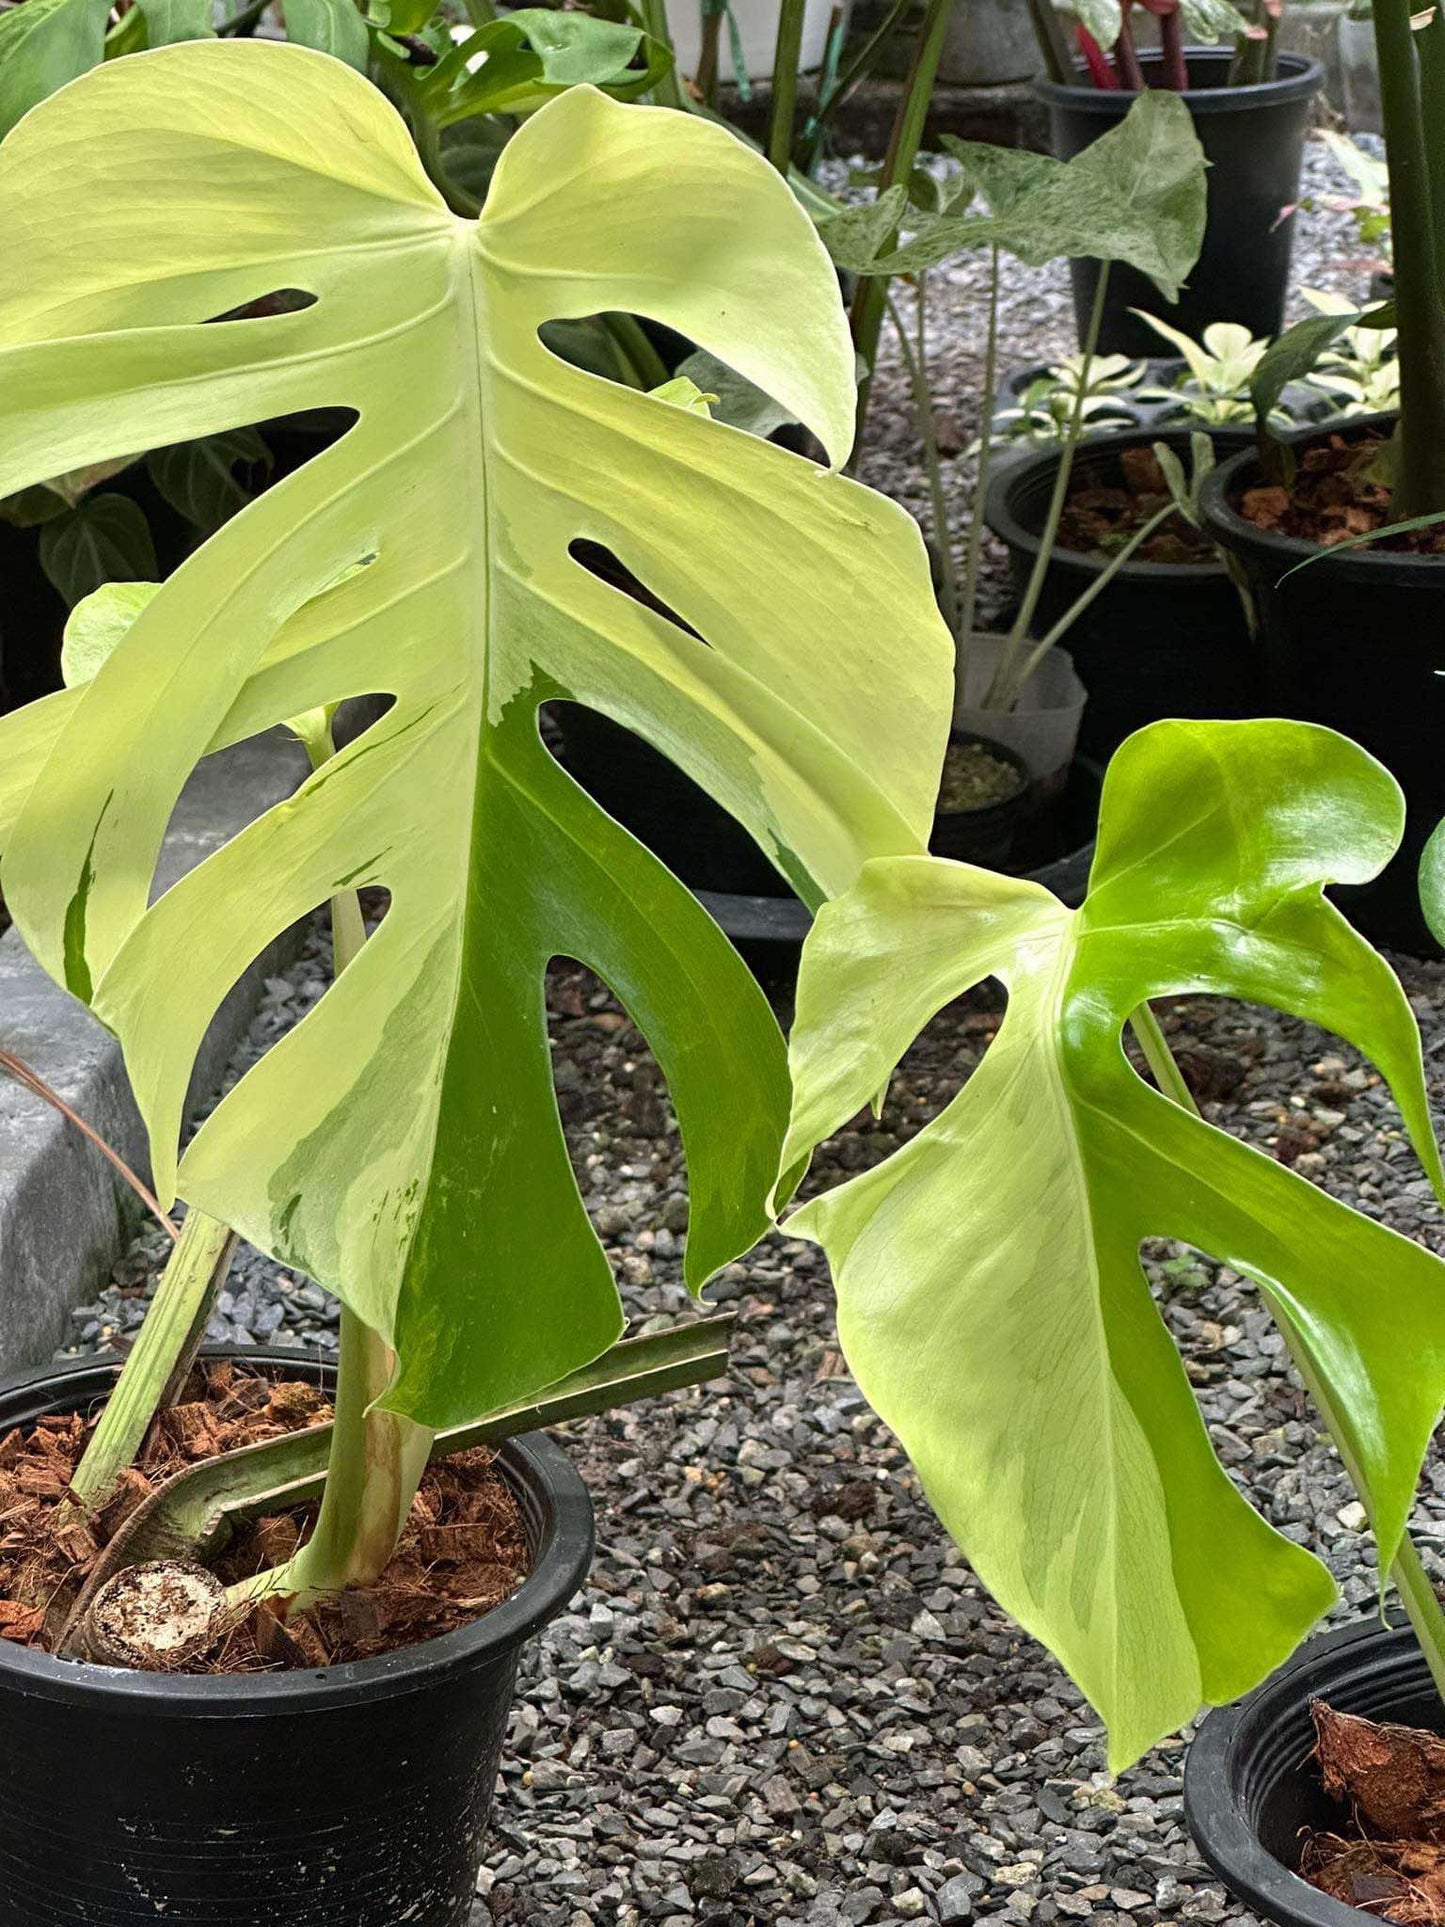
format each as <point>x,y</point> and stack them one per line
<point>708,59</point>
<point>915,366</point>
<point>782,115</point>
<point>669,90</point>
<point>1096,588</point>
<point>1171,47</point>
<point>1003,679</point>
<point>1126,54</point>
<point>1053,42</point>
<point>869,304</point>
<point>630,343</point>
<point>1417,1594</point>
<point>1430,52</point>
<point>161,1358</point>
<point>32,1081</point>
<point>1419,487</point>
<point>973,557</point>
<point>858,68</point>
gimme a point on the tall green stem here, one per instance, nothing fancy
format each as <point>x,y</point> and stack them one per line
<point>654,18</point>
<point>915,363</point>
<point>377,1458</point>
<point>1417,1594</point>
<point>973,558</point>
<point>1003,678</point>
<point>858,68</point>
<point>161,1358</point>
<point>782,115</point>
<point>869,304</point>
<point>1420,303</point>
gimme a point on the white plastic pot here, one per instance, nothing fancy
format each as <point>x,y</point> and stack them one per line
<point>1043,726</point>
<point>758,29</point>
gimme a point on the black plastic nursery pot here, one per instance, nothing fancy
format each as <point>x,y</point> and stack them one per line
<point>1162,639</point>
<point>1251,1791</point>
<point>1353,642</point>
<point>1253,138</point>
<point>351,1797</point>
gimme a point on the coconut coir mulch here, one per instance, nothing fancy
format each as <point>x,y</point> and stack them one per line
<point>1337,496</point>
<point>462,1553</point>
<point>1099,518</point>
<point>1392,1779</point>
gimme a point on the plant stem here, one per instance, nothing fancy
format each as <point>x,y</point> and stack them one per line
<point>973,557</point>
<point>916,367</point>
<point>32,1081</point>
<point>903,146</point>
<point>1417,1594</point>
<point>1100,582</point>
<point>706,77</point>
<point>1126,56</point>
<point>1053,41</point>
<point>787,52</point>
<point>630,340</point>
<point>1420,472</point>
<point>858,68</point>
<point>1171,46</point>
<point>480,13</point>
<point>1003,675</point>
<point>669,90</point>
<point>161,1359</point>
<point>1430,52</point>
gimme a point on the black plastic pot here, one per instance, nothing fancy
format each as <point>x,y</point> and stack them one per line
<point>1254,140</point>
<point>352,1797</point>
<point>1353,642</point>
<point>986,835</point>
<point>1251,1791</point>
<point>1162,639</point>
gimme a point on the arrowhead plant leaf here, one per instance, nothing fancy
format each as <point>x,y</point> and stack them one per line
<point>991,1299</point>
<point>402,1144</point>
<point>1136,194</point>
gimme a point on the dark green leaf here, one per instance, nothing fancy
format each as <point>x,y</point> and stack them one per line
<point>44,44</point>
<point>332,27</point>
<point>1296,352</point>
<point>200,479</point>
<point>168,21</point>
<point>736,401</point>
<point>105,539</point>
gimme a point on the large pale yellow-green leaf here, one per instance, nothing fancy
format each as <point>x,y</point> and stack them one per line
<point>402,1144</point>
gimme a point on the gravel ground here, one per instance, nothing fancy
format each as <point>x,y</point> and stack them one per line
<point>783,1698</point>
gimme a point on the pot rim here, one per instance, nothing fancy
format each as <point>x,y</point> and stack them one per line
<point>1300,78</point>
<point>1000,516</point>
<point>961,738</point>
<point>532,1463</point>
<point>1226,1838</point>
<point>1228,526</point>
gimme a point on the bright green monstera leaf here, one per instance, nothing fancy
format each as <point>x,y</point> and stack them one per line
<point>402,1144</point>
<point>991,1300</point>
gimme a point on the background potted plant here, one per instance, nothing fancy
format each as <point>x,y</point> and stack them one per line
<point>1350,641</point>
<point>1251,109</point>
<point>402,1145</point>
<point>991,1300</point>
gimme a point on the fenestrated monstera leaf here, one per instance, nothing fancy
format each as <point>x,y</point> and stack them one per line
<point>991,1300</point>
<point>402,1144</point>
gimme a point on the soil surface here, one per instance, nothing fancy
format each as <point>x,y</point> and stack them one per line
<point>973,777</point>
<point>463,1551</point>
<point>1391,1781</point>
<point>1099,519</point>
<point>1338,496</point>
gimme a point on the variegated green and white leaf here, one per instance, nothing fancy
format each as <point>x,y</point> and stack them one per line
<point>402,1144</point>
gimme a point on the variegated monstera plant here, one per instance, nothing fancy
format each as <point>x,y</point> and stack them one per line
<point>402,1144</point>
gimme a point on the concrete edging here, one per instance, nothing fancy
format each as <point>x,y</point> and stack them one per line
<point>64,1214</point>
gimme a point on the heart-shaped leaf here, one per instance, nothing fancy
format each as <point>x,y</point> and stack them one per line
<point>402,1144</point>
<point>1136,194</point>
<point>991,1300</point>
